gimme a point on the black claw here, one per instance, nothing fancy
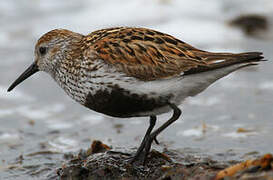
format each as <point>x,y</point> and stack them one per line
<point>143,151</point>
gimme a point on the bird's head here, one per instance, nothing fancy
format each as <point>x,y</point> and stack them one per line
<point>50,51</point>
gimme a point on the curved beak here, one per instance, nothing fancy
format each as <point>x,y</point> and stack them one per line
<point>33,68</point>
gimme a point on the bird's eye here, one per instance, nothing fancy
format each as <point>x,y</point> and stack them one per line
<point>42,50</point>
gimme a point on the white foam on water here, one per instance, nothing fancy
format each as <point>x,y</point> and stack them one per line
<point>31,113</point>
<point>239,135</point>
<point>213,127</point>
<point>6,112</point>
<point>63,144</point>
<point>266,85</point>
<point>58,125</point>
<point>198,131</point>
<point>55,108</point>
<point>205,101</point>
<point>190,132</point>
<point>41,113</point>
<point>8,136</point>
<point>93,119</point>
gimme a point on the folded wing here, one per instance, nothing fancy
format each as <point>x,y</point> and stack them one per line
<point>149,55</point>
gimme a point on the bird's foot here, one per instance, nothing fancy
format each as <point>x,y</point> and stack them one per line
<point>144,149</point>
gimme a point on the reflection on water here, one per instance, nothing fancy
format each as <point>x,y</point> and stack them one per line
<point>38,116</point>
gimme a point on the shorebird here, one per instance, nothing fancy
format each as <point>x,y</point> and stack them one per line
<point>131,72</point>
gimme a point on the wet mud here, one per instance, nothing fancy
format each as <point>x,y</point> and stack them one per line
<point>101,162</point>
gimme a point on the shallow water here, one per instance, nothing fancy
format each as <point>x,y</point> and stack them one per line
<point>39,122</point>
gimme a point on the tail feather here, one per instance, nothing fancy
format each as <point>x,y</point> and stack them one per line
<point>220,60</point>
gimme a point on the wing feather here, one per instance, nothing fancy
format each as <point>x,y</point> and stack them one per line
<point>143,53</point>
<point>149,55</point>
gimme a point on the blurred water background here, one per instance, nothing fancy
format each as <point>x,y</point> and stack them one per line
<point>230,120</point>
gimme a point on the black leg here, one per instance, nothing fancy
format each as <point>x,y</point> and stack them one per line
<point>143,142</point>
<point>176,115</point>
<point>153,135</point>
<point>145,146</point>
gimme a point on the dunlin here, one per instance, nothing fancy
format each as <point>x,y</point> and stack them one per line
<point>131,72</point>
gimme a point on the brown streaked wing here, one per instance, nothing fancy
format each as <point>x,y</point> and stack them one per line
<point>143,53</point>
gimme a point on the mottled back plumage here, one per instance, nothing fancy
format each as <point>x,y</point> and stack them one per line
<point>143,53</point>
<point>148,55</point>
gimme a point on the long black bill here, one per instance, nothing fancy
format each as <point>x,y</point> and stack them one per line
<point>33,68</point>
